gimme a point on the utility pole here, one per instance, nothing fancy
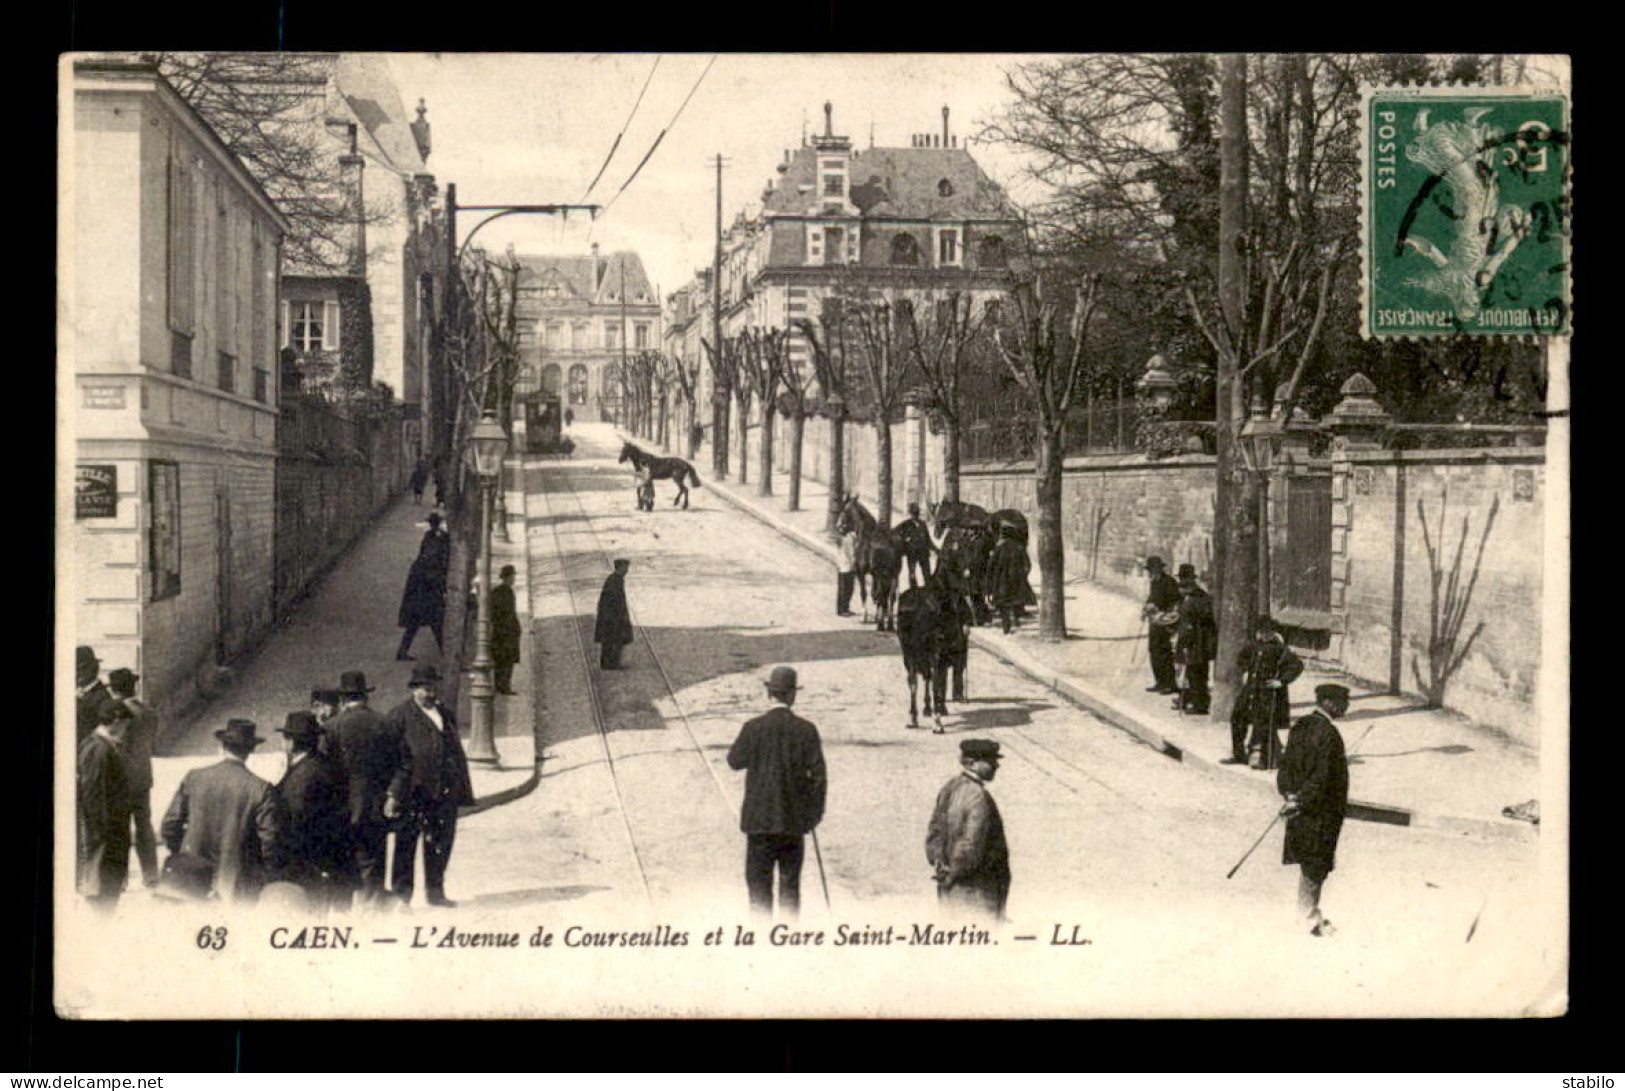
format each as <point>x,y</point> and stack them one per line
<point>1235,561</point>
<point>720,392</point>
<point>626,405</point>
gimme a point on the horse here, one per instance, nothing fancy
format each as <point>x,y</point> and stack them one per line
<point>877,561</point>
<point>662,469</point>
<point>931,624</point>
<point>965,553</point>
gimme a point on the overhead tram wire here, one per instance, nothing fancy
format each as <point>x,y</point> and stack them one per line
<point>624,126</point>
<point>662,134</point>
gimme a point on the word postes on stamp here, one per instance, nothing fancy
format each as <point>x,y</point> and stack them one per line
<point>1464,199</point>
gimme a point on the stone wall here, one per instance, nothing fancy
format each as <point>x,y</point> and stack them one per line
<point>1437,577</point>
<point>1115,510</point>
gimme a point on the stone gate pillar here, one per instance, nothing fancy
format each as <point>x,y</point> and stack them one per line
<point>1357,425</point>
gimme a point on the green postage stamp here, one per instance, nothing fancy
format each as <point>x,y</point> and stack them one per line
<point>1465,212</point>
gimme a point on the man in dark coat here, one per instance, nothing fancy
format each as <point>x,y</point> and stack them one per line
<point>423,603</point>
<point>137,754</point>
<point>368,752</point>
<point>1162,613</point>
<point>1197,642</point>
<point>436,545</point>
<point>420,478</point>
<point>431,781</point>
<point>505,631</point>
<point>104,807</point>
<point>229,819</point>
<point>91,695</point>
<point>316,838</point>
<point>964,842</point>
<point>1314,781</point>
<point>1263,706</point>
<point>613,630</point>
<point>785,788</point>
<point>917,545</point>
<point>1007,577</point>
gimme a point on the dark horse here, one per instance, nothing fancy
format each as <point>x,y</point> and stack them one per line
<point>969,536</point>
<point>931,623</point>
<point>662,469</point>
<point>877,560</point>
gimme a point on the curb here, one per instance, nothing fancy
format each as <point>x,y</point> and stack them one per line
<point>1124,720</point>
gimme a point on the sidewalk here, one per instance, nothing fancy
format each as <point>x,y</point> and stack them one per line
<point>1408,765</point>
<point>348,622</point>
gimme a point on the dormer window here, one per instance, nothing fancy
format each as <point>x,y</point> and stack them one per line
<point>905,250</point>
<point>945,188</point>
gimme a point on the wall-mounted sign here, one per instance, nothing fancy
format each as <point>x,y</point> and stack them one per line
<point>103,397</point>
<point>95,492</point>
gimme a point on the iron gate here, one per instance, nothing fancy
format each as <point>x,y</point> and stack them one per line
<point>1302,566</point>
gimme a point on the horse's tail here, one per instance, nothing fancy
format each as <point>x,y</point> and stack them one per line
<point>693,478</point>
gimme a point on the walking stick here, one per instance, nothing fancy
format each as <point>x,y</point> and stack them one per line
<point>823,880</point>
<point>1250,851</point>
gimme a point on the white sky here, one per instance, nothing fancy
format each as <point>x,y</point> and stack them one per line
<point>534,128</point>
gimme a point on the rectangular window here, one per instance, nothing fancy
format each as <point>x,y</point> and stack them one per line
<point>228,372</point>
<point>834,185</point>
<point>262,385</point>
<point>180,353</point>
<point>612,336</point>
<point>834,244</point>
<point>554,333</point>
<point>640,334</point>
<point>180,207</point>
<point>305,327</point>
<point>164,535</point>
<point>948,247</point>
<point>815,246</point>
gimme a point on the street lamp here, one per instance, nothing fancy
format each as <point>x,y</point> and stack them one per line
<point>488,444</point>
<point>1260,437</point>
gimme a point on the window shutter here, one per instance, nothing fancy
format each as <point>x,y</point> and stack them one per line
<point>282,342</point>
<point>330,326</point>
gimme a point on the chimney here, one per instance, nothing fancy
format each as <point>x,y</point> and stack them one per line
<point>351,166</point>
<point>420,131</point>
<point>829,119</point>
<point>945,126</point>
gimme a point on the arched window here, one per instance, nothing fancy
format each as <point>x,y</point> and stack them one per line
<point>991,253</point>
<point>578,384</point>
<point>945,188</point>
<point>905,250</point>
<point>550,379</point>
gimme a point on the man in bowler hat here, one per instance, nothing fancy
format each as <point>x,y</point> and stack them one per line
<point>1196,642</point>
<point>104,806</point>
<point>1263,705</point>
<point>430,782</point>
<point>613,630</point>
<point>1314,781</point>
<point>505,631</point>
<point>368,752</point>
<point>229,819</point>
<point>316,839</point>
<point>91,696</point>
<point>964,842</point>
<point>137,755</point>
<point>1160,610</point>
<point>785,787</point>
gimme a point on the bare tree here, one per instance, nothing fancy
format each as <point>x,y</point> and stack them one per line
<point>1044,353</point>
<point>798,378</point>
<point>762,367</point>
<point>686,375</point>
<point>728,387</point>
<point>879,318</point>
<point>944,346</point>
<point>830,353</point>
<point>268,109</point>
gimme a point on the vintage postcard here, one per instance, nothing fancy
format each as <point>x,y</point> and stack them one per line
<point>883,535</point>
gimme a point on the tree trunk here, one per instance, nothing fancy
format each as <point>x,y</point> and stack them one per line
<point>950,458</point>
<point>744,440</point>
<point>837,472</point>
<point>764,461</point>
<point>798,423</point>
<point>1051,555</point>
<point>882,470</point>
<point>1235,556</point>
<point>719,432</point>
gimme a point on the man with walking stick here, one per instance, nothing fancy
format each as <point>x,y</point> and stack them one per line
<point>1314,781</point>
<point>785,785</point>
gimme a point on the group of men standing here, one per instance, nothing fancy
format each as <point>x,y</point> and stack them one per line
<point>353,778</point>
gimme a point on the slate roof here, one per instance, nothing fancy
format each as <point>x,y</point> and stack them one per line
<point>898,183</point>
<point>365,84</point>
<point>575,273</point>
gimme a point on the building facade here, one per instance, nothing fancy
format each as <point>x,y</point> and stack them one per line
<point>169,333</point>
<point>579,318</point>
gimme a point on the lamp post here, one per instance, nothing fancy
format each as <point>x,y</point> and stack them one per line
<point>1259,437</point>
<point>488,443</point>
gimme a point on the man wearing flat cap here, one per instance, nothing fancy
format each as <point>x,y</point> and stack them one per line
<point>226,821</point>
<point>368,752</point>
<point>613,629</point>
<point>785,788</point>
<point>431,781</point>
<point>1314,781</point>
<point>316,839</point>
<point>1161,612</point>
<point>965,842</point>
